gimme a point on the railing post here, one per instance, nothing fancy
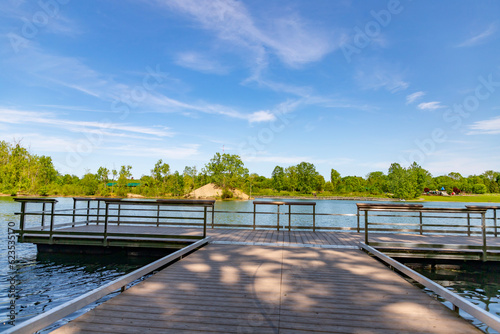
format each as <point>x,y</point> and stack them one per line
<point>118,214</point>
<point>314,218</point>
<point>483,226</point>
<point>468,224</point>
<point>213,215</point>
<point>358,229</point>
<point>74,212</point>
<point>158,216</point>
<point>278,216</point>
<point>51,222</point>
<point>205,222</point>
<point>421,223</point>
<point>106,218</point>
<point>366,227</point>
<point>88,212</point>
<point>21,221</point>
<point>43,215</point>
<point>495,221</point>
<point>98,212</point>
<point>254,205</point>
<point>289,217</point>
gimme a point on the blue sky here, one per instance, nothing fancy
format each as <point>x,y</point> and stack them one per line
<point>350,85</point>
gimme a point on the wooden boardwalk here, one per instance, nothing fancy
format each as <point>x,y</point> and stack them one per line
<point>235,286</point>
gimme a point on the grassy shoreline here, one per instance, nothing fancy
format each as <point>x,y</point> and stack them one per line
<point>485,198</point>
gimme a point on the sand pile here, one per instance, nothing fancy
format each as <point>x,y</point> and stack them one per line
<point>212,191</point>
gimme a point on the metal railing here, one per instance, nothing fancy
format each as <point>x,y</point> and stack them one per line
<point>45,319</point>
<point>421,213</point>
<point>113,212</point>
<point>118,211</point>
<point>458,302</point>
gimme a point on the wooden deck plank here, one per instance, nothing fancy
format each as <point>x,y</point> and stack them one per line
<point>256,289</point>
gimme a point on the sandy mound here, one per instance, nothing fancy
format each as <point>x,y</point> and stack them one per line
<point>212,191</point>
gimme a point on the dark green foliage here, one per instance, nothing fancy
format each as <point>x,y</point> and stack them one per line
<point>22,172</point>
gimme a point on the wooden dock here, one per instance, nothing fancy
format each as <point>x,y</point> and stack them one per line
<point>228,288</point>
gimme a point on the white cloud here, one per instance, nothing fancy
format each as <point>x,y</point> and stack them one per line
<point>199,62</point>
<point>488,127</point>
<point>261,116</point>
<point>479,38</point>
<point>430,105</point>
<point>413,97</point>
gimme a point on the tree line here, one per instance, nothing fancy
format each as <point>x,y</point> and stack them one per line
<point>24,173</point>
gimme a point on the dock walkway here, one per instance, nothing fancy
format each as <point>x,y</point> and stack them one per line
<point>273,282</point>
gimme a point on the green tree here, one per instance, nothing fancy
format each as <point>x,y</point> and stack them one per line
<point>306,174</point>
<point>334,178</point>
<point>376,182</point>
<point>278,177</point>
<point>226,170</point>
<point>401,183</point>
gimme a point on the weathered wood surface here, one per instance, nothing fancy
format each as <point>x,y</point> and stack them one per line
<point>257,289</point>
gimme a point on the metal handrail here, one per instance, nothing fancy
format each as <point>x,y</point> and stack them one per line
<point>458,302</point>
<point>45,319</point>
<point>107,213</point>
<point>479,210</point>
<point>156,207</point>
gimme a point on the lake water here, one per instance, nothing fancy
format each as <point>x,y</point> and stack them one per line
<point>45,281</point>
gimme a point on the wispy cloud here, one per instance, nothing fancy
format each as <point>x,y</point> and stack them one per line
<point>181,152</point>
<point>22,117</point>
<point>413,97</point>
<point>199,62</point>
<point>479,38</point>
<point>487,127</point>
<point>380,77</point>
<point>430,105</point>
<point>290,38</point>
